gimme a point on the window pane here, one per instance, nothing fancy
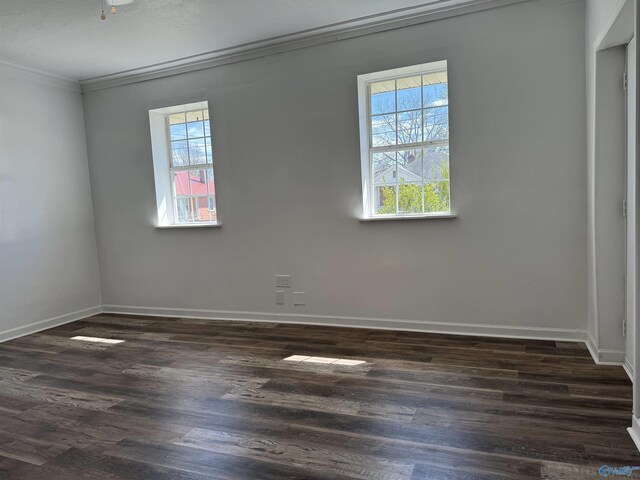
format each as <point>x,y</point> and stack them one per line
<point>182,209</point>
<point>383,130</point>
<point>197,153</point>
<point>176,118</point>
<point>435,86</point>
<point>410,127</point>
<point>195,129</point>
<point>384,200</point>
<point>436,123</point>
<point>211,190</point>
<point>205,114</point>
<point>202,209</point>
<point>410,166</point>
<point>207,129</point>
<point>198,181</point>
<point>193,214</point>
<point>409,96</point>
<point>410,197</point>
<point>195,116</point>
<point>436,173</point>
<point>179,153</point>
<point>436,197</point>
<point>209,150</point>
<point>384,168</point>
<point>178,132</point>
<point>212,208</point>
<point>435,95</point>
<point>436,163</point>
<point>383,97</point>
<point>181,183</point>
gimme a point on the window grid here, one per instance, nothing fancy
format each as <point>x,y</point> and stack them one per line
<point>398,147</point>
<point>191,165</point>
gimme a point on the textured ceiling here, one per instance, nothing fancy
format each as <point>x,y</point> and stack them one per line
<point>67,37</point>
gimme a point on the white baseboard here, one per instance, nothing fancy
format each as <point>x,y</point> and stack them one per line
<point>48,323</point>
<point>358,322</point>
<point>634,431</point>
<point>628,368</point>
<point>603,356</point>
<point>600,356</point>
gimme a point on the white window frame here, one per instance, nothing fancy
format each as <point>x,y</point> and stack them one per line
<point>163,168</point>
<point>366,147</point>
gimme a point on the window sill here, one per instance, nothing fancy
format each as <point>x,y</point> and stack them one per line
<point>190,225</point>
<point>391,218</point>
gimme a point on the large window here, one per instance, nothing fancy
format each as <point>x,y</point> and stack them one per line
<point>404,123</point>
<point>183,165</point>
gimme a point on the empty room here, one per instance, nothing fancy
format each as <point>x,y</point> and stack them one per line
<point>319,240</point>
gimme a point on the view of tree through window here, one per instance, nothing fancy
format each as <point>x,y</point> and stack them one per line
<point>192,167</point>
<point>409,144</point>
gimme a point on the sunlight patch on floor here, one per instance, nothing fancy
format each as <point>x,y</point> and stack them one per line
<point>110,341</point>
<point>325,360</point>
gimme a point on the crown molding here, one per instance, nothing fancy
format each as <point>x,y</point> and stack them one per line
<point>15,70</point>
<point>400,18</point>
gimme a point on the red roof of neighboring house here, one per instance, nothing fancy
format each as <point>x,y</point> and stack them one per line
<point>198,185</point>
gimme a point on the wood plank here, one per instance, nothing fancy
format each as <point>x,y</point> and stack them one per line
<point>351,465</point>
<point>191,399</point>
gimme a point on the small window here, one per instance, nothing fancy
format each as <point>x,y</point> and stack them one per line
<point>183,165</point>
<point>404,135</point>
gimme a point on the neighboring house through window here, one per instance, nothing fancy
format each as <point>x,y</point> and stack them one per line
<point>404,134</point>
<point>183,165</point>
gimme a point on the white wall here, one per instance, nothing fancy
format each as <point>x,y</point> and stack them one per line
<point>605,170</point>
<point>285,131</point>
<point>48,260</point>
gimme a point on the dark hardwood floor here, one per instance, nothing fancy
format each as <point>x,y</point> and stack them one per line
<point>190,399</point>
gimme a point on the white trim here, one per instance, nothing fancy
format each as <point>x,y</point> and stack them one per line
<point>48,323</point>
<point>611,357</point>
<point>44,78</point>
<point>619,29</point>
<point>628,368</point>
<point>189,225</point>
<point>592,347</point>
<point>482,330</point>
<point>186,108</point>
<point>404,17</point>
<point>401,72</point>
<point>631,195</point>
<point>364,134</point>
<point>634,431</point>
<point>424,216</point>
<point>532,333</point>
<point>603,356</point>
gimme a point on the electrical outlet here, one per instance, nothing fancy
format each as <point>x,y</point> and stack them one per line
<point>624,327</point>
<point>298,298</point>
<point>283,281</point>
<point>279,297</point>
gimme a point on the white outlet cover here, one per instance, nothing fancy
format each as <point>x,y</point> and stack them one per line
<point>283,281</point>
<point>279,297</point>
<point>298,298</point>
